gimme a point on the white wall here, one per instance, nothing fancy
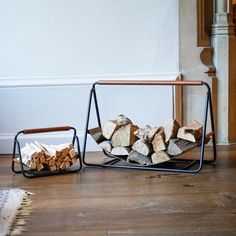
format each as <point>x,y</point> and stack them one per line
<point>190,64</point>
<point>69,42</point>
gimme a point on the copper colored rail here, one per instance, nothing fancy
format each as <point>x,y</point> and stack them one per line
<point>150,82</point>
<point>44,130</point>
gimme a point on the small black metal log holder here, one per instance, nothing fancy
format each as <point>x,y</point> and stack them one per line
<point>174,165</point>
<point>32,173</point>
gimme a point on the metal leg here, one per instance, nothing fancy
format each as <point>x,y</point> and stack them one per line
<point>87,125</point>
<point>96,107</point>
<point>13,159</point>
<point>213,129</point>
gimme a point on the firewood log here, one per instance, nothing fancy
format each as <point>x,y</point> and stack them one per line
<point>142,147</point>
<point>147,133</point>
<point>191,132</point>
<point>96,134</point>
<point>106,146</point>
<point>179,146</point>
<point>110,126</point>
<point>72,153</point>
<point>32,165</point>
<point>67,158</point>
<point>67,164</point>
<point>120,151</point>
<point>123,120</point>
<point>124,136</point>
<point>171,130</point>
<point>39,167</point>
<point>53,168</point>
<point>159,157</point>
<point>136,157</point>
<point>63,166</point>
<point>158,142</point>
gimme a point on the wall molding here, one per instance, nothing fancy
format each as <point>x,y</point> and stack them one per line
<point>74,80</point>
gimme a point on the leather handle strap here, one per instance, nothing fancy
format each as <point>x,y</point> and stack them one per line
<point>44,130</point>
<point>150,82</point>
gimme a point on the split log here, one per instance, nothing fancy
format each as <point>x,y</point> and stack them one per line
<point>147,133</point>
<point>124,136</point>
<point>120,151</point>
<point>72,153</point>
<point>158,142</point>
<point>96,134</point>
<point>136,157</point>
<point>142,147</point>
<point>191,132</point>
<point>40,166</point>
<point>122,120</point>
<point>106,146</point>
<point>110,126</point>
<point>179,146</point>
<point>159,157</point>
<point>171,130</point>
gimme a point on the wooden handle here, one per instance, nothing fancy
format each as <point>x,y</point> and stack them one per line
<point>150,82</point>
<point>44,130</point>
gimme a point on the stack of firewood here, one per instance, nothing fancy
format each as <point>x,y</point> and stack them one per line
<point>148,145</point>
<point>44,157</point>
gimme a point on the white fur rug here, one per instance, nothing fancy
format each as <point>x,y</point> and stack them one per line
<point>14,211</point>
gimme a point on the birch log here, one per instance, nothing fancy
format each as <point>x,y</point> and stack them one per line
<point>120,151</point>
<point>171,130</point>
<point>106,146</point>
<point>96,134</point>
<point>124,136</point>
<point>110,126</point>
<point>142,147</point>
<point>159,157</point>
<point>136,157</point>
<point>158,142</point>
<point>147,133</point>
<point>179,146</point>
<point>191,132</point>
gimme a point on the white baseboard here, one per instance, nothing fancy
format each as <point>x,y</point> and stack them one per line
<point>7,141</point>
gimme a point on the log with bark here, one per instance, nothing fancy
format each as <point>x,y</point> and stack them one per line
<point>106,146</point>
<point>124,136</point>
<point>159,157</point>
<point>142,147</point>
<point>171,130</point>
<point>158,142</point>
<point>147,133</point>
<point>191,132</point>
<point>110,126</point>
<point>96,134</point>
<point>136,157</point>
<point>120,151</point>
<point>179,146</point>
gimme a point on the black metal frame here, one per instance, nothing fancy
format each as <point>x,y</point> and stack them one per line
<point>32,173</point>
<point>174,165</point>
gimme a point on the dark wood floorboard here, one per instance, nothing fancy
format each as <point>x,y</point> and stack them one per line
<point>116,202</point>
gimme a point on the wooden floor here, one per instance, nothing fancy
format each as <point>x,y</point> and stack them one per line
<point>129,202</point>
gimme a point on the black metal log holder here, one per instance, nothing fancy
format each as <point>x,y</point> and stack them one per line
<point>32,173</point>
<point>174,165</point>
